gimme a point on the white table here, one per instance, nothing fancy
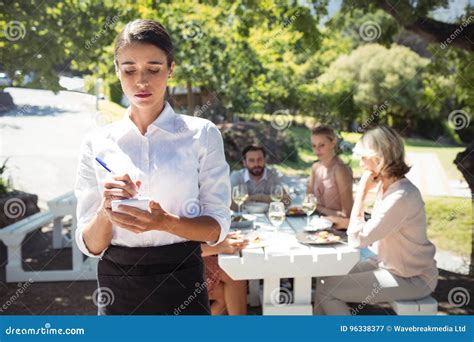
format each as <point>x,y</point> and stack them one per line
<point>285,257</point>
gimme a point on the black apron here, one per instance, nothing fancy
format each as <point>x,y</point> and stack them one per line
<point>163,280</point>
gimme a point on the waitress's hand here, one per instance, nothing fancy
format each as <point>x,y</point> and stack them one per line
<point>233,243</point>
<point>118,188</point>
<point>139,221</point>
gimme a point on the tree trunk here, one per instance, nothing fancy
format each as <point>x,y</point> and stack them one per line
<point>190,97</point>
<point>465,163</point>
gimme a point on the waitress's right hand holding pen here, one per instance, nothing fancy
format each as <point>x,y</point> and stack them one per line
<point>118,188</point>
<point>97,235</point>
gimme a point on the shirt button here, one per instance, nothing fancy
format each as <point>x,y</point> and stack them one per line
<point>148,243</point>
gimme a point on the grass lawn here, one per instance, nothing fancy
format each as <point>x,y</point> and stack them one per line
<point>446,154</point>
<point>450,223</point>
<point>111,110</point>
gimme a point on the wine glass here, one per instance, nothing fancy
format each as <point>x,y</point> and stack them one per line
<point>276,213</point>
<point>240,195</point>
<point>277,193</point>
<point>309,206</point>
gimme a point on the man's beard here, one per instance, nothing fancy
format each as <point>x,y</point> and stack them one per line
<point>257,171</point>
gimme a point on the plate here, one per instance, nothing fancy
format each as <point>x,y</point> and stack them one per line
<point>297,212</point>
<point>256,207</point>
<point>318,223</point>
<point>257,240</point>
<point>311,237</point>
<point>246,221</point>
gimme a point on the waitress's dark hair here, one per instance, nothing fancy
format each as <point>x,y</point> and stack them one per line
<point>148,32</point>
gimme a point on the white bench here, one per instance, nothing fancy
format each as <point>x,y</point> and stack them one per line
<point>423,306</point>
<point>14,234</point>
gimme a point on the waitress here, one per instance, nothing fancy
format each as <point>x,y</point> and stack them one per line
<point>150,260</point>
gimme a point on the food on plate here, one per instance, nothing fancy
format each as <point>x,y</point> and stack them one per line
<point>238,218</point>
<point>324,237</point>
<point>293,211</point>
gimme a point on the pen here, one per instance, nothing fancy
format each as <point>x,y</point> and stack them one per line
<point>103,164</point>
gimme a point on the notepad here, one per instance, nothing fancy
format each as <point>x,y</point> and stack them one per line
<point>140,203</point>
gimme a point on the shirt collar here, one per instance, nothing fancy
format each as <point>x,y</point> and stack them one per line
<point>165,121</point>
<point>247,175</point>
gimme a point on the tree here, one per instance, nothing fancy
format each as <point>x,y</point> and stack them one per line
<point>376,84</point>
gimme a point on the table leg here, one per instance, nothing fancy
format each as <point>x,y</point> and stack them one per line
<point>58,233</point>
<point>301,297</point>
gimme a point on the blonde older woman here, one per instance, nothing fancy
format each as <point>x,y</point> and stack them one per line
<point>405,267</point>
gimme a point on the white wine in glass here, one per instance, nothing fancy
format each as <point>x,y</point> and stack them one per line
<point>240,195</point>
<point>309,206</point>
<point>276,213</point>
<point>277,193</point>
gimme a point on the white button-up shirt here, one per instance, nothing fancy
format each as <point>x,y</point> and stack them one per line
<point>180,162</point>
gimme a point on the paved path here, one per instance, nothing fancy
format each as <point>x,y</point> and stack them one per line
<point>42,139</point>
<point>429,176</point>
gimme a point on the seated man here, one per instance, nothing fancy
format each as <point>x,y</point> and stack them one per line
<point>258,178</point>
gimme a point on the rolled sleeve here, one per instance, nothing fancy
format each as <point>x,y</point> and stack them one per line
<point>214,183</point>
<point>87,193</point>
<point>386,219</point>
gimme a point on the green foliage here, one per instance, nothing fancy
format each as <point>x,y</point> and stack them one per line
<point>449,222</point>
<point>362,28</point>
<point>375,84</point>
<point>5,186</point>
<point>258,57</point>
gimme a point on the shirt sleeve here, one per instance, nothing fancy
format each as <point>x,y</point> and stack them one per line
<point>87,194</point>
<point>388,218</point>
<point>214,183</point>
